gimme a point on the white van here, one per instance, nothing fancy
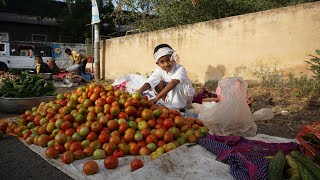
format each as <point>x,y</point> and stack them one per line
<point>21,55</point>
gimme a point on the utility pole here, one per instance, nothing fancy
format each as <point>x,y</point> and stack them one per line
<point>96,58</point>
<point>96,52</point>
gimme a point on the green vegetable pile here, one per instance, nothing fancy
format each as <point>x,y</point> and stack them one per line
<point>293,166</point>
<point>28,85</point>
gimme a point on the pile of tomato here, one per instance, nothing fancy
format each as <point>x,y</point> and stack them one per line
<point>103,122</point>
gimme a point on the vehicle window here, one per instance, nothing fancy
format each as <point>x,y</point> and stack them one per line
<point>14,52</point>
<point>43,50</point>
<point>26,50</point>
<point>1,47</point>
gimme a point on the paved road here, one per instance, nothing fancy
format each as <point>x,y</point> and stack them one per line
<point>17,161</point>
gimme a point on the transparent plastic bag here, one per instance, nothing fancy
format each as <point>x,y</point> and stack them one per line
<point>232,115</point>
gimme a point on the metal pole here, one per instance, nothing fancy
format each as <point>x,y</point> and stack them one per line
<point>96,52</point>
<point>92,48</point>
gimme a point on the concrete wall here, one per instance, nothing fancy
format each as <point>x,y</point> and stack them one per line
<point>214,49</point>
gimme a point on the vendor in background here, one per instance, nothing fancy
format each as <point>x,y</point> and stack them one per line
<point>53,66</point>
<point>41,67</point>
<point>77,59</point>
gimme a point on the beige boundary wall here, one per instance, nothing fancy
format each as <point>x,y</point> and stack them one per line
<point>214,49</point>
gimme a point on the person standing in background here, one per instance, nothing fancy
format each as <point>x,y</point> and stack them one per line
<point>77,59</point>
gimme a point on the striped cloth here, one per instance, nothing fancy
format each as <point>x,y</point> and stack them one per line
<point>246,158</point>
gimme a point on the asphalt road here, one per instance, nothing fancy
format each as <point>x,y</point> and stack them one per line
<point>17,161</point>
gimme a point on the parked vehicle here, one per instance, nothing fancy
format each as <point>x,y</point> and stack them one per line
<point>21,55</point>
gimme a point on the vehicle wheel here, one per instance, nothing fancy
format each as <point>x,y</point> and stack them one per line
<point>3,67</point>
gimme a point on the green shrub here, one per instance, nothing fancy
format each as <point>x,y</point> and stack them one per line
<point>302,85</point>
<point>268,73</point>
<point>315,65</point>
<point>299,85</point>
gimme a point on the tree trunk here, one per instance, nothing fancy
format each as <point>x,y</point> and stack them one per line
<point>3,2</point>
<point>69,6</point>
<point>194,2</point>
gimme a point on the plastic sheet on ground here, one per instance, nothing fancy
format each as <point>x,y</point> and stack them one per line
<point>185,162</point>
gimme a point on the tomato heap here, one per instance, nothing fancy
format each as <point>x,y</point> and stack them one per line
<point>100,121</point>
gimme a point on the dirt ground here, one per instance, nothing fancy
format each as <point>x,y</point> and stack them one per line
<point>18,162</point>
<point>301,110</point>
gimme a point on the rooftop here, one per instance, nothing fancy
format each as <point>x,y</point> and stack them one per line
<point>26,19</point>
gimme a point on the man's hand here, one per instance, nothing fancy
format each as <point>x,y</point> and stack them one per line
<point>145,87</point>
<point>139,92</point>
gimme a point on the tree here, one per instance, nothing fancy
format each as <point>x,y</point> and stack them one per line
<point>69,6</point>
<point>73,16</point>
<point>33,7</point>
<point>77,23</point>
<point>194,2</point>
<point>148,15</point>
<point>3,2</point>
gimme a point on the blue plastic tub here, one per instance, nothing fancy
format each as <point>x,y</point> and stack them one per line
<point>88,77</point>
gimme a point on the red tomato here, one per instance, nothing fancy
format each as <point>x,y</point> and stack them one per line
<point>79,154</point>
<point>167,123</point>
<point>123,115</point>
<point>67,157</point>
<point>88,151</point>
<point>92,136</point>
<point>136,164</point>
<point>114,110</point>
<point>68,117</point>
<point>146,114</point>
<point>134,149</point>
<point>111,162</point>
<point>59,147</point>
<point>103,138</point>
<point>96,126</point>
<point>115,139</point>
<point>52,153</point>
<point>75,146</point>
<point>118,153</point>
<point>90,167</point>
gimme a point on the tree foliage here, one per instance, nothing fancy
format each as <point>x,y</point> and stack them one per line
<point>148,15</point>
<point>41,8</point>
<point>77,21</point>
<point>74,16</point>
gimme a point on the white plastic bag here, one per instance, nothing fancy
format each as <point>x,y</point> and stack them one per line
<point>232,115</point>
<point>263,114</point>
<point>131,83</point>
<point>73,67</point>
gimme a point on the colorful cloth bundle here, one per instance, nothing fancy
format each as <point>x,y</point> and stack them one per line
<point>246,158</point>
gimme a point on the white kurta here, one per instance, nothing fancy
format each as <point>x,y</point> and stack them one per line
<point>183,92</point>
